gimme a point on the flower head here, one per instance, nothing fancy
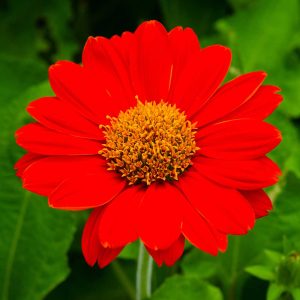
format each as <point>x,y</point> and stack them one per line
<point>145,134</point>
<point>150,142</point>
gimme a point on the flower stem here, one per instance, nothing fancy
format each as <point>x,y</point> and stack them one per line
<point>143,274</point>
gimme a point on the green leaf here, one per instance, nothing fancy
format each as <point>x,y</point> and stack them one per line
<point>293,163</point>
<point>287,149</point>
<point>58,15</point>
<point>45,29</point>
<point>289,81</point>
<point>262,272</point>
<point>199,15</point>
<point>274,291</point>
<point>265,36</point>
<point>34,238</point>
<point>180,287</point>
<point>202,268</point>
<point>241,4</point>
<point>34,242</point>
<point>296,293</point>
<point>272,258</point>
<point>284,221</point>
<point>13,117</point>
<point>130,251</point>
<point>16,76</point>
<point>255,39</point>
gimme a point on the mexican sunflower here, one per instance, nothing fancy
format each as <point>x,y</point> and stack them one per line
<point>145,134</point>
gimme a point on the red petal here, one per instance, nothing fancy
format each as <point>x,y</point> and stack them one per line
<point>122,209</point>
<point>260,105</point>
<point>107,255</point>
<point>170,255</point>
<point>151,64</point>
<point>86,91</point>
<point>90,243</point>
<point>160,216</point>
<point>222,240</point>
<point>238,139</point>
<point>245,175</point>
<point>201,76</point>
<point>184,44</point>
<point>91,247</point>
<point>230,96</point>
<point>45,174</point>
<point>101,56</point>
<point>39,139</point>
<point>87,191</point>
<point>225,209</point>
<point>197,231</point>
<point>259,201</point>
<point>25,161</point>
<point>123,45</point>
<point>61,116</point>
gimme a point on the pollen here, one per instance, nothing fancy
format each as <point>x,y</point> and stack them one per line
<point>149,142</point>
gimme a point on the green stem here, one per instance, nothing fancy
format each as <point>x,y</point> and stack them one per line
<point>143,274</point>
<point>124,280</point>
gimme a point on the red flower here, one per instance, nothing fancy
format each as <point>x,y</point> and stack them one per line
<point>143,133</point>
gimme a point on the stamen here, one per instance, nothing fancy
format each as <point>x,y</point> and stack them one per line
<point>149,142</point>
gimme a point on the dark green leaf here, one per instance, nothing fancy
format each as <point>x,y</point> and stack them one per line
<point>130,251</point>
<point>262,272</point>
<point>31,29</point>
<point>296,293</point>
<point>202,267</point>
<point>34,238</point>
<point>199,15</point>
<point>275,291</point>
<point>183,287</point>
<point>17,75</point>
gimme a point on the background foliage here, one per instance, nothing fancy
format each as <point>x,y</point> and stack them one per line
<point>40,256</point>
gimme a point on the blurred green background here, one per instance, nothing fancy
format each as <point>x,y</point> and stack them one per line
<point>40,255</point>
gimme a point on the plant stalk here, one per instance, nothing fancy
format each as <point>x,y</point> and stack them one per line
<point>143,274</point>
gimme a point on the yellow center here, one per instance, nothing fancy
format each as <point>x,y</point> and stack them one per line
<point>149,142</point>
